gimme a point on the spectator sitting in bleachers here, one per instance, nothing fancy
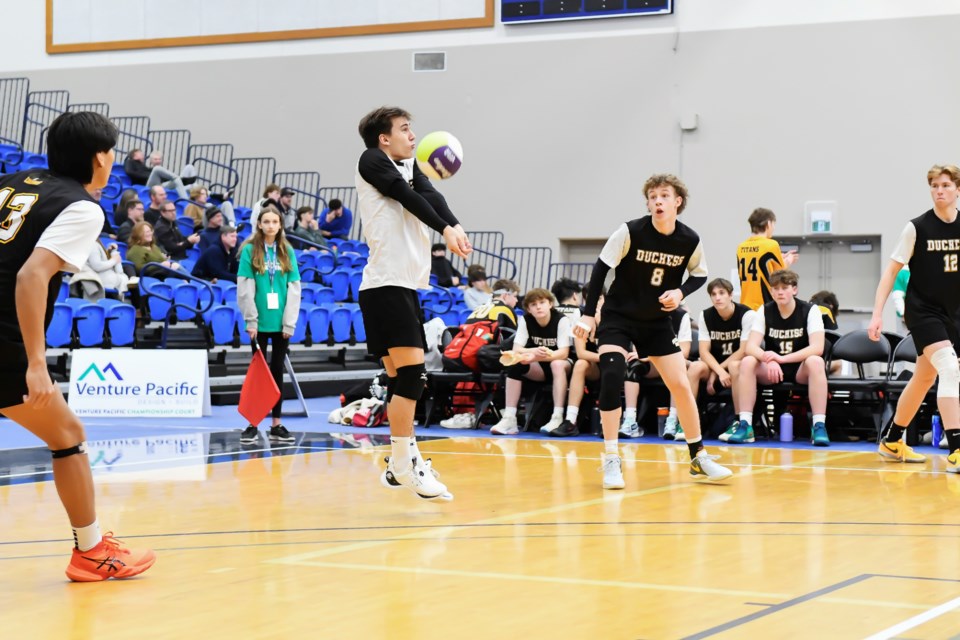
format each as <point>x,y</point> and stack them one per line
<point>567,291</point>
<point>133,215</point>
<point>478,293</point>
<point>308,228</point>
<point>271,196</point>
<point>211,231</point>
<point>200,195</point>
<point>169,236</point>
<point>336,220</point>
<point>107,229</point>
<point>285,207</point>
<point>219,262</point>
<point>154,174</point>
<point>500,307</point>
<point>543,340</point>
<point>441,267</point>
<point>103,270</point>
<point>120,211</point>
<point>157,198</point>
<point>143,249</point>
<point>792,330</point>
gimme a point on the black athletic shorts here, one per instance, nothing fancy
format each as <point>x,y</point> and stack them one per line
<point>13,374</point>
<point>650,338</point>
<point>392,317</point>
<point>790,371</point>
<point>929,325</point>
<point>519,371</point>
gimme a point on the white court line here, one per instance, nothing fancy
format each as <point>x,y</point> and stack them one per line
<point>916,620</point>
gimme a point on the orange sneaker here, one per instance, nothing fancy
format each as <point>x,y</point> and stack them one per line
<point>109,559</point>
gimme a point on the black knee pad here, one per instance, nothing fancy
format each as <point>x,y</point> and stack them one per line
<point>72,451</point>
<point>391,385</point>
<point>613,367</point>
<point>410,381</point>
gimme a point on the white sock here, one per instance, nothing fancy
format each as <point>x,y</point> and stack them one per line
<point>572,413</point>
<point>414,450</point>
<point>630,414</point>
<point>401,454</point>
<point>746,416</point>
<point>509,412</point>
<point>86,538</point>
<point>610,447</point>
<point>673,413</point>
<point>819,417</point>
<point>557,413</point>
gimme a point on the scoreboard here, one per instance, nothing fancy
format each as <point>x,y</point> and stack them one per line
<point>519,11</point>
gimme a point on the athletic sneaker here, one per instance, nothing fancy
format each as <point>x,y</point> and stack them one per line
<point>612,473</point>
<point>743,433</point>
<point>279,433</point>
<point>670,430</point>
<point>630,429</point>
<point>565,429</point>
<point>704,465</point>
<point>818,435</point>
<point>387,479</point>
<point>459,421</point>
<point>725,436</point>
<point>553,424</point>
<point>899,452</point>
<point>109,559</point>
<point>250,435</point>
<point>419,479</point>
<point>953,462</point>
<point>943,441</point>
<point>679,435</point>
<point>506,427</point>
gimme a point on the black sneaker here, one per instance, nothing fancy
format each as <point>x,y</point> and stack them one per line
<point>250,435</point>
<point>279,433</point>
<point>564,430</point>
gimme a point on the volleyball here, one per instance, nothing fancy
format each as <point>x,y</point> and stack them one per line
<point>439,155</point>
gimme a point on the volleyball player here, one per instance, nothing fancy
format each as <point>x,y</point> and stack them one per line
<point>759,256</point>
<point>398,207</point>
<point>48,223</point>
<point>649,256</point>
<point>930,245</point>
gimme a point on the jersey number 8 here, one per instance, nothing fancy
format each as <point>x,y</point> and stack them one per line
<point>19,207</point>
<point>657,278</point>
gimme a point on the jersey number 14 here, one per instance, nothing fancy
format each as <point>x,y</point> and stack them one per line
<point>746,268</point>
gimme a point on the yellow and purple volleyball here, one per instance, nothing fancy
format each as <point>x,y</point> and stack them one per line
<point>439,155</point>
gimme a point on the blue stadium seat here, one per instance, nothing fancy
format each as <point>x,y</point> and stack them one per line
<point>121,321</point>
<point>325,261</point>
<point>64,291</point>
<point>340,321</point>
<point>187,264</point>
<point>222,324</point>
<point>186,225</point>
<point>359,332</point>
<point>363,249</point>
<point>355,278</point>
<point>462,316</point>
<point>241,327</point>
<point>308,292</point>
<point>324,294</point>
<point>60,331</point>
<point>300,331</point>
<point>187,294</point>
<point>229,290</point>
<point>319,321</point>
<point>91,319</point>
<point>153,289</point>
<point>339,280</point>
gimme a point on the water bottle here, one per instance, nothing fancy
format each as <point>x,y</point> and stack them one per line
<point>786,427</point>
<point>937,431</point>
<point>662,414</point>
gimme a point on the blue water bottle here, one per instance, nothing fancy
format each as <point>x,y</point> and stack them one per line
<point>937,431</point>
<point>786,427</point>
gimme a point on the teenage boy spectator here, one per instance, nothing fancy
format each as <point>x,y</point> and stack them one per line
<point>724,329</point>
<point>285,207</point>
<point>567,292</point>
<point>585,368</point>
<point>210,235</point>
<point>543,343</point>
<point>441,267</point>
<point>134,215</point>
<point>308,228</point>
<point>220,261</point>
<point>829,308</point>
<point>478,293</point>
<point>157,197</point>
<point>792,333</point>
<point>336,220</point>
<point>168,234</point>
<point>501,305</point>
<point>759,256</point>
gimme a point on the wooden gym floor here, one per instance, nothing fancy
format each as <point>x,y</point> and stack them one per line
<point>302,541</point>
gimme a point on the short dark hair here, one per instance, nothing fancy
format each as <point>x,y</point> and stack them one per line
<point>760,218</point>
<point>287,191</point>
<point>827,299</point>
<point>226,228</point>
<point>439,246</point>
<point>377,122</point>
<point>334,204</point>
<point>133,203</point>
<point>565,288</point>
<point>74,139</point>
<point>303,210</point>
<point>723,283</point>
<point>784,278</point>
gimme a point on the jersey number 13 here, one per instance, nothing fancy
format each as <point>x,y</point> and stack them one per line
<point>17,209</point>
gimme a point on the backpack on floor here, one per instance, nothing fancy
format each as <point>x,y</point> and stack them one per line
<point>465,345</point>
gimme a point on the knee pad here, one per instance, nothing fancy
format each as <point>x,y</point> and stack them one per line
<point>410,381</point>
<point>945,362</point>
<point>391,386</point>
<point>613,367</point>
<point>72,451</point>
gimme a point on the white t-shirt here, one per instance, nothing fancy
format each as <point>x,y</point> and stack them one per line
<point>746,324</point>
<point>814,321</point>
<point>905,243</point>
<point>72,233</point>
<point>564,332</point>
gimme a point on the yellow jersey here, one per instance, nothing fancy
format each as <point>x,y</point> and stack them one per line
<point>757,258</point>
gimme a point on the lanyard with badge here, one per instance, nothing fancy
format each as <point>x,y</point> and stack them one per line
<point>273,298</point>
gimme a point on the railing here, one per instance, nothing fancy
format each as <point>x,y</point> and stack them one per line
<point>305,185</point>
<point>253,175</point>
<point>579,271</point>
<point>174,144</point>
<point>183,275</point>
<point>533,265</point>
<point>42,109</point>
<point>134,134</point>
<point>347,195</point>
<point>212,162</point>
<point>13,108</point>
<point>496,266</point>
<point>96,107</point>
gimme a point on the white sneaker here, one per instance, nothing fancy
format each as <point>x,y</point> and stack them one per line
<point>704,465</point>
<point>612,472</point>
<point>553,424</point>
<point>506,427</point>
<point>669,430</point>
<point>459,421</point>
<point>630,429</point>
<point>418,478</point>
<point>389,481</point>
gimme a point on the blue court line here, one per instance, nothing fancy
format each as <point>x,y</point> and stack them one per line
<point>801,599</point>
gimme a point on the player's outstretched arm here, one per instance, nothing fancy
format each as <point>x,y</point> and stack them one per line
<point>377,169</point>
<point>33,280</point>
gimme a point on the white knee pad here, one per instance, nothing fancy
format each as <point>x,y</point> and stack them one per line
<point>945,362</point>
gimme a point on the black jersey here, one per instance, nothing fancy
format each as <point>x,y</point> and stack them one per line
<point>934,274</point>
<point>30,201</point>
<point>654,263</point>
<point>538,336</point>
<point>786,335</point>
<point>725,335</point>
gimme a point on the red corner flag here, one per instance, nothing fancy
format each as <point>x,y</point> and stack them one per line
<point>259,392</point>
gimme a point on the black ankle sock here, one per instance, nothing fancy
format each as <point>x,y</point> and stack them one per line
<point>696,447</point>
<point>895,433</point>
<point>953,439</point>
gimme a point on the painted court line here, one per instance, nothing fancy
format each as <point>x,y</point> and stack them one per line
<point>916,620</point>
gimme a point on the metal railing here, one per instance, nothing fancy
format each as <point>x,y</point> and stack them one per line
<point>305,185</point>
<point>174,144</point>
<point>97,107</point>
<point>134,134</point>
<point>13,109</point>
<point>253,175</point>
<point>533,265</point>
<point>579,271</point>
<point>212,162</point>
<point>42,109</point>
